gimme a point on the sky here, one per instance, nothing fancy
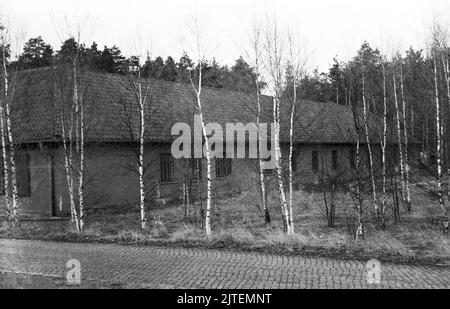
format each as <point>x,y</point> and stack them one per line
<point>326,28</point>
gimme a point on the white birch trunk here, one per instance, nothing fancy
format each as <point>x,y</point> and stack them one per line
<point>400,139</point>
<point>141,158</point>
<point>12,161</point>
<point>68,168</point>
<point>383,151</point>
<point>81,171</point>
<point>208,182</point>
<point>360,230</point>
<point>74,118</point>
<point>439,142</point>
<point>406,167</point>
<point>5,162</point>
<point>369,148</point>
<point>207,153</point>
<point>284,209</point>
<point>291,172</point>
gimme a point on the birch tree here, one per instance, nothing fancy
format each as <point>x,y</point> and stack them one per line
<point>369,147</point>
<point>197,86</point>
<point>439,135</point>
<point>296,71</point>
<point>399,135</point>
<point>406,167</point>
<point>73,127</point>
<point>8,149</point>
<point>383,150</point>
<point>140,90</point>
<point>356,188</point>
<point>257,54</point>
<point>142,100</point>
<point>276,64</point>
<point>439,48</point>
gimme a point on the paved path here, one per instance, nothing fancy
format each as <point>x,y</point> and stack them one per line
<point>157,267</point>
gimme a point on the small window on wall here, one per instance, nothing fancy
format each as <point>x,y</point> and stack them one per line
<point>294,161</point>
<point>334,159</point>
<point>368,159</point>
<point>23,175</point>
<point>167,168</point>
<point>223,167</point>
<point>352,158</point>
<point>315,161</point>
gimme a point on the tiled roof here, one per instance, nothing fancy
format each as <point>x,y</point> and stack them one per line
<point>111,110</point>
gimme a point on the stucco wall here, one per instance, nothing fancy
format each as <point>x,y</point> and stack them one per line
<point>110,179</point>
<point>39,203</point>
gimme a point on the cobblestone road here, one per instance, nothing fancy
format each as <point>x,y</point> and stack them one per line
<point>157,267</point>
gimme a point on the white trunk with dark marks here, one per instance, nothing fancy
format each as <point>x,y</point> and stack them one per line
<point>207,152</point>
<point>76,104</point>
<point>406,167</point>
<point>399,138</point>
<point>291,172</point>
<point>68,168</point>
<point>10,146</point>
<point>81,171</point>
<point>141,158</point>
<point>369,149</point>
<point>284,207</point>
<point>439,135</point>
<point>383,150</point>
<point>5,162</point>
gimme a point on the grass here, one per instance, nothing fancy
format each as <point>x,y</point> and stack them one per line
<point>239,225</point>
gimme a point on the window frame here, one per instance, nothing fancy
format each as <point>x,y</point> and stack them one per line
<point>315,161</point>
<point>334,159</point>
<point>224,167</point>
<point>294,161</point>
<point>23,160</point>
<point>352,159</point>
<point>167,173</point>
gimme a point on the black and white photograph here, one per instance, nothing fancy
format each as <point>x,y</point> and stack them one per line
<point>223,152</point>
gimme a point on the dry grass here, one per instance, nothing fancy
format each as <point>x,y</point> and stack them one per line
<point>237,223</point>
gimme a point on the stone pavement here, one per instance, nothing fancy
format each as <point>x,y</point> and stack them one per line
<point>159,267</point>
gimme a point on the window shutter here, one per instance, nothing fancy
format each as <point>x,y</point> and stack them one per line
<point>23,175</point>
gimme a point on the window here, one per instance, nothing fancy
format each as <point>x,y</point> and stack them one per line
<point>167,174</point>
<point>352,159</point>
<point>196,167</point>
<point>294,161</point>
<point>334,159</point>
<point>223,167</point>
<point>315,161</point>
<point>23,175</point>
